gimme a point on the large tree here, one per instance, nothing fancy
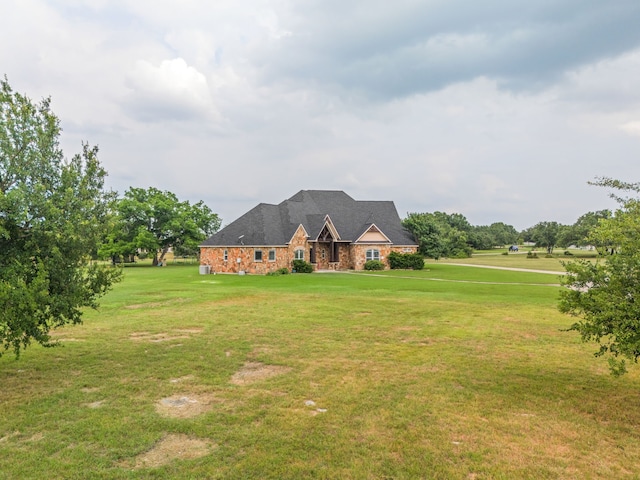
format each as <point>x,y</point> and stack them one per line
<point>154,221</point>
<point>605,295</point>
<point>545,235</point>
<point>440,234</point>
<point>52,214</point>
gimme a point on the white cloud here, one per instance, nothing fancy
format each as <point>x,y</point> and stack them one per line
<point>241,102</point>
<point>632,128</point>
<point>172,90</point>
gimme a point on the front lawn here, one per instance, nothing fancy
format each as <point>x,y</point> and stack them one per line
<point>451,372</point>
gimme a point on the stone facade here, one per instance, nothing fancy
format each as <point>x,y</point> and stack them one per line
<point>242,258</point>
<point>235,259</point>
<point>359,253</point>
<point>326,228</point>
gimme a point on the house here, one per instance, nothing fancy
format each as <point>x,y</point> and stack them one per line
<point>327,228</point>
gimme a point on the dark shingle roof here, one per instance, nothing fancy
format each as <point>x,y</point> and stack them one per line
<point>275,224</point>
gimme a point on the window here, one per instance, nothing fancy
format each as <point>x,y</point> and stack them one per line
<point>272,255</point>
<point>257,255</point>
<point>373,254</point>
<point>299,254</point>
<point>225,255</point>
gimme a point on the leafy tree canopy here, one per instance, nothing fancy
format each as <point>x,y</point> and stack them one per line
<point>52,214</point>
<point>497,234</point>
<point>578,233</point>
<point>603,295</point>
<point>154,221</point>
<point>440,234</point>
<point>545,235</point>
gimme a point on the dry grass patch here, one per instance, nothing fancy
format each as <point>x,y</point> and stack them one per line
<point>186,378</point>
<point>173,447</point>
<point>185,405</point>
<point>166,303</point>
<point>88,390</point>
<point>177,334</point>
<point>190,330</point>
<point>155,337</point>
<point>36,437</point>
<point>252,372</point>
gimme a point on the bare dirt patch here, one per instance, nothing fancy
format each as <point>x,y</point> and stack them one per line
<point>97,404</point>
<point>174,447</point>
<point>185,405</point>
<point>252,372</point>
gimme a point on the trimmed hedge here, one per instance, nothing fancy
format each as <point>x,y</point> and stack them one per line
<point>406,261</point>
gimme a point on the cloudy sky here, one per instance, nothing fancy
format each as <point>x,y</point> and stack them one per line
<point>501,110</point>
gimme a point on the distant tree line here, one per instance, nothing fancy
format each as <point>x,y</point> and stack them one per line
<point>444,235</point>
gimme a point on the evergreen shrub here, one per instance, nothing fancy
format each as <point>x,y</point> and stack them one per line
<point>405,261</point>
<point>280,271</point>
<point>374,265</point>
<point>300,266</point>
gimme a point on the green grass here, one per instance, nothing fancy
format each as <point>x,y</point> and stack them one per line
<point>452,372</point>
<point>518,260</point>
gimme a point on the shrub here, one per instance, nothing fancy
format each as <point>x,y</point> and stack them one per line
<point>568,253</point>
<point>280,271</point>
<point>374,265</point>
<point>414,261</point>
<point>532,255</point>
<point>300,266</point>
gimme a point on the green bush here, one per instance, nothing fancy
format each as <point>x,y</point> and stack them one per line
<point>374,265</point>
<point>404,261</point>
<point>280,271</point>
<point>532,255</point>
<point>300,266</point>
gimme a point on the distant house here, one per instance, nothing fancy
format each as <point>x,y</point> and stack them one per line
<point>329,229</point>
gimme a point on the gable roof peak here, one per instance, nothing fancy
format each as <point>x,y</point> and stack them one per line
<point>268,224</point>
